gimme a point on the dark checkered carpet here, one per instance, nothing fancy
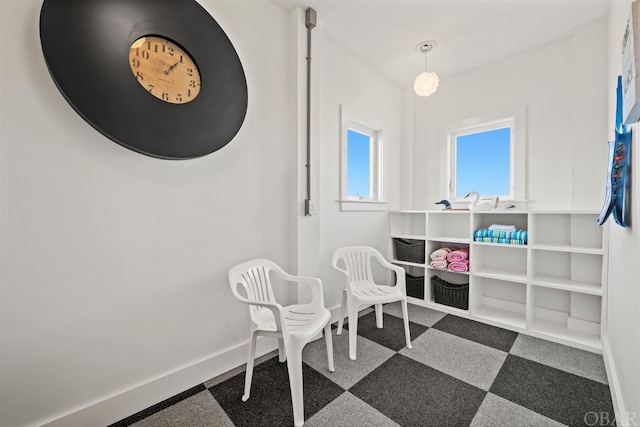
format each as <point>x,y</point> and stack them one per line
<point>458,373</point>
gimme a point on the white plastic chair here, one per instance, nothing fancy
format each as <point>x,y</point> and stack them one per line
<point>294,325</point>
<point>362,290</point>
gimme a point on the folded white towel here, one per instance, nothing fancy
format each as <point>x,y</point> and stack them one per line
<point>502,227</point>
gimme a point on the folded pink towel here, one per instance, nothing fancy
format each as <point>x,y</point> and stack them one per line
<point>441,254</point>
<point>458,255</point>
<point>438,263</point>
<point>459,265</point>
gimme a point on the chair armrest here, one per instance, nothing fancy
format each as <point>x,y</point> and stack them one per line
<point>246,300</point>
<point>317,295</point>
<point>275,308</point>
<point>382,260</point>
<point>334,262</point>
<point>400,272</point>
<point>401,278</point>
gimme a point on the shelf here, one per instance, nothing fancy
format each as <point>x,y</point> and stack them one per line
<point>416,301</point>
<point>411,264</point>
<point>449,226</point>
<point>446,308</point>
<point>561,331</point>
<point>552,288</point>
<point>566,284</point>
<point>577,230</point>
<point>439,307</point>
<point>567,248</point>
<point>457,278</point>
<point>499,262</point>
<point>567,268</point>
<point>450,239</point>
<point>409,236</point>
<point>567,315</point>
<point>465,273</point>
<point>411,223</point>
<point>516,320</point>
<point>486,219</point>
<point>501,245</point>
<point>499,301</point>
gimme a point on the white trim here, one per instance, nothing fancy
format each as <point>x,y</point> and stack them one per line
<point>363,205</point>
<point>375,133</point>
<point>518,126</point>
<point>622,416</point>
<point>125,403</point>
<point>507,123</point>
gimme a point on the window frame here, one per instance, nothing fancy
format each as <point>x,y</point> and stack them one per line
<point>374,201</point>
<point>515,119</point>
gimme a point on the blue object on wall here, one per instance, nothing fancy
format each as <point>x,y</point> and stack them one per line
<point>616,200</point>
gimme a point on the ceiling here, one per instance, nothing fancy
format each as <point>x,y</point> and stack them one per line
<point>470,33</point>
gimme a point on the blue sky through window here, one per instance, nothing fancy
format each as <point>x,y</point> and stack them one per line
<point>358,164</point>
<point>483,162</point>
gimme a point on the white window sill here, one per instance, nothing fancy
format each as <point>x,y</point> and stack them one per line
<point>362,205</point>
<point>502,203</point>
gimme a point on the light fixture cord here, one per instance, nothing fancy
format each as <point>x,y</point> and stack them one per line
<point>425,60</point>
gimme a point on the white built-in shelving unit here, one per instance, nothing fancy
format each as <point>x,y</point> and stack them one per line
<point>552,288</point>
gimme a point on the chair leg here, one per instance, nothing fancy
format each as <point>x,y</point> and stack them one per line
<point>249,372</point>
<point>329,341</point>
<point>343,306</point>
<point>353,330</point>
<point>294,366</point>
<point>282,355</point>
<point>405,316</point>
<point>378,308</point>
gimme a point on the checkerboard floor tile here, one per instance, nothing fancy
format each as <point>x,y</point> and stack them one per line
<point>458,373</point>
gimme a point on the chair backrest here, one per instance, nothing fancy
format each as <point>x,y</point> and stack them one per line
<point>254,277</point>
<point>356,263</point>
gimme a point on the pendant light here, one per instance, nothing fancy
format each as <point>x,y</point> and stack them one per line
<point>427,82</point>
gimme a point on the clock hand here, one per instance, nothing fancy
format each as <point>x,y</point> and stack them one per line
<point>171,67</point>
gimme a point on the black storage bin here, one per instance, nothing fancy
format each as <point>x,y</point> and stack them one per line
<point>415,286</point>
<point>409,250</point>
<point>450,294</point>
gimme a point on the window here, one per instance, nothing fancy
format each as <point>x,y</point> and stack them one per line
<point>483,161</point>
<point>360,145</point>
<point>486,155</point>
<point>361,174</point>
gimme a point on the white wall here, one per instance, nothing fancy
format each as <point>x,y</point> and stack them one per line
<point>622,340</point>
<point>337,78</point>
<point>557,83</point>
<point>568,87</point>
<point>367,97</point>
<point>587,112</point>
<point>113,264</point>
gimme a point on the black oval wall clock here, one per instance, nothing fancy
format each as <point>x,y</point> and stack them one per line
<point>159,77</point>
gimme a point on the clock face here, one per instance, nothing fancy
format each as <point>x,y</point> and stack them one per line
<point>152,100</point>
<point>164,69</point>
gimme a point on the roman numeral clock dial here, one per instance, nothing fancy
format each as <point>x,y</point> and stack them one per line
<point>164,69</point>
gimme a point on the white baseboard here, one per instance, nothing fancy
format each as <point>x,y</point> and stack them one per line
<point>120,405</point>
<point>128,402</point>
<point>622,416</point>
